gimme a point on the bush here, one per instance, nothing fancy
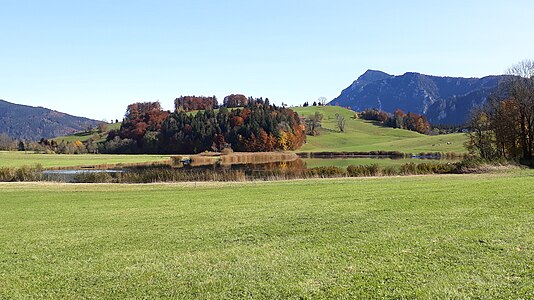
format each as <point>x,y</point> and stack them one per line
<point>427,168</point>
<point>408,169</point>
<point>93,177</point>
<point>325,172</point>
<point>477,164</point>
<point>390,171</point>
<point>369,170</point>
<point>7,174</point>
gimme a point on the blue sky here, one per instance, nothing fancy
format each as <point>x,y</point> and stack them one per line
<point>93,58</point>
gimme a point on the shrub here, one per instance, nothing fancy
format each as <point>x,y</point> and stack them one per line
<point>93,177</point>
<point>408,169</point>
<point>368,170</point>
<point>427,168</point>
<point>390,171</point>
<point>325,172</point>
<point>7,174</point>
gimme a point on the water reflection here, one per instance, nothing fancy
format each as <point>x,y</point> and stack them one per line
<point>297,168</point>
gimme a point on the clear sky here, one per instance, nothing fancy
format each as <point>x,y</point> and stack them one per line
<point>93,58</point>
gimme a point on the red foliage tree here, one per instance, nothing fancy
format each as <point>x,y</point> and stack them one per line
<point>235,100</point>
<point>190,103</point>
<point>142,117</point>
<point>237,121</point>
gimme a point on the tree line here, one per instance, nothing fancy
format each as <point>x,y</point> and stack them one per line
<point>504,127</point>
<point>399,119</point>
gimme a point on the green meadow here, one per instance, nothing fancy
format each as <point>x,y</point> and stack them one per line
<point>434,237</point>
<point>362,135</point>
<point>21,158</point>
<point>383,162</point>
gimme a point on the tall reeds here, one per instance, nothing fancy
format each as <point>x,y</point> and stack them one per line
<point>25,173</point>
<point>270,171</point>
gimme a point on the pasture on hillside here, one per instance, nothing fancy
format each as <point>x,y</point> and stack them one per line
<point>83,136</point>
<point>453,236</point>
<point>362,135</point>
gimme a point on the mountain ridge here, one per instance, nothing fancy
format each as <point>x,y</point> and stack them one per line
<point>444,99</point>
<point>33,123</point>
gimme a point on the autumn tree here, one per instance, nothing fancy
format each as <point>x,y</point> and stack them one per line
<point>481,139</point>
<point>507,119</point>
<point>398,118</point>
<point>190,103</point>
<point>235,100</point>
<point>140,118</point>
<point>521,89</point>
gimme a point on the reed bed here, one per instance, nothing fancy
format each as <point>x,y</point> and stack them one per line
<point>231,158</point>
<point>24,173</point>
<point>270,171</point>
<point>202,160</point>
<point>257,157</point>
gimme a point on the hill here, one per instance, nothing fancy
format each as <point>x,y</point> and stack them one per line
<point>445,100</point>
<point>362,135</point>
<point>33,123</point>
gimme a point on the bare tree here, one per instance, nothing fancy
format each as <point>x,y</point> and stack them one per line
<point>321,101</point>
<point>340,122</point>
<point>102,127</point>
<point>7,143</point>
<point>313,123</point>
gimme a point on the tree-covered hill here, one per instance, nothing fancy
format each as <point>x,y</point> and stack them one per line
<point>33,123</point>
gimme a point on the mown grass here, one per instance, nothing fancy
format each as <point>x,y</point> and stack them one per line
<point>384,162</point>
<point>363,135</point>
<point>20,158</point>
<point>453,236</point>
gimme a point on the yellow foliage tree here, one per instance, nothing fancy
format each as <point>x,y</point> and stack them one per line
<point>285,141</point>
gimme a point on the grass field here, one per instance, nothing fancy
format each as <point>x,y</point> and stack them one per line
<point>362,135</point>
<point>384,162</point>
<point>18,159</point>
<point>455,236</point>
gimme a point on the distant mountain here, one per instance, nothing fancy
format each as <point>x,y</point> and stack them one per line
<point>33,123</point>
<point>445,100</point>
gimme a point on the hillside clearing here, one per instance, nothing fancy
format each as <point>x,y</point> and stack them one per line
<point>83,136</point>
<point>363,135</point>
